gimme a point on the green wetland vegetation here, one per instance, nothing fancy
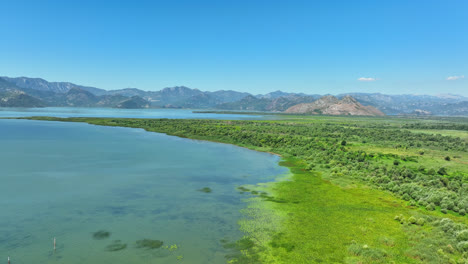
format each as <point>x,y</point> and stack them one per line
<point>361,190</point>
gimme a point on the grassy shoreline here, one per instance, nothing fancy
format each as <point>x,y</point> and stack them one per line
<point>324,218</point>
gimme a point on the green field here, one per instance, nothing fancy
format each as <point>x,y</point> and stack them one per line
<point>361,190</point>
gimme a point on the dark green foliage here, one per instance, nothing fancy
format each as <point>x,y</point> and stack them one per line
<point>442,171</point>
<point>101,234</point>
<point>447,158</point>
<point>149,243</point>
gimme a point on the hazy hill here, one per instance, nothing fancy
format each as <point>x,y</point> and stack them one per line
<point>133,103</point>
<point>278,104</point>
<point>406,104</point>
<point>278,94</point>
<point>56,87</point>
<point>211,99</point>
<point>330,105</point>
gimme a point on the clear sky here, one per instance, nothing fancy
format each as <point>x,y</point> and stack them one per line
<point>328,46</point>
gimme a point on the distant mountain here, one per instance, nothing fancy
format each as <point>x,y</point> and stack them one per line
<point>36,92</point>
<point>129,92</point>
<point>278,94</point>
<point>13,96</point>
<point>183,97</point>
<point>456,109</point>
<point>56,87</point>
<point>134,102</point>
<point>81,98</point>
<point>330,105</point>
<point>406,104</point>
<point>253,103</point>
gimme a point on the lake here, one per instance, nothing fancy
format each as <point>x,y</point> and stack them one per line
<point>125,113</point>
<point>71,180</point>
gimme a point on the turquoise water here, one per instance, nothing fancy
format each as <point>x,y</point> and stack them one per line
<point>130,113</point>
<point>69,180</point>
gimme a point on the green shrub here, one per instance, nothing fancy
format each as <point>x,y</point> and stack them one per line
<point>463,246</point>
<point>406,197</point>
<point>462,235</point>
<point>421,221</point>
<point>430,207</point>
<point>442,171</point>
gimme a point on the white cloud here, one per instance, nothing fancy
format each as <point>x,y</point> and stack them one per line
<point>454,78</point>
<point>367,79</point>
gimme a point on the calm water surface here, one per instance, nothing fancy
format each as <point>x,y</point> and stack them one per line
<point>130,113</point>
<point>68,180</point>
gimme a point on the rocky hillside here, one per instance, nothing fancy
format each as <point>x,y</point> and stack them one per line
<point>330,105</point>
<point>13,96</point>
<point>270,104</point>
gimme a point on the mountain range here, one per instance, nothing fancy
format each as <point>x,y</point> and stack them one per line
<point>37,92</point>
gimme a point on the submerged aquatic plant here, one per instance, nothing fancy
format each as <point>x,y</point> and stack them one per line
<point>205,190</point>
<point>149,243</point>
<point>116,246</point>
<point>242,189</point>
<point>101,234</point>
<point>241,251</point>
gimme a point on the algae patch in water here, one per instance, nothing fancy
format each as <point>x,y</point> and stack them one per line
<point>241,251</point>
<point>242,189</point>
<point>116,246</point>
<point>205,190</point>
<point>149,243</point>
<point>241,244</point>
<point>101,234</point>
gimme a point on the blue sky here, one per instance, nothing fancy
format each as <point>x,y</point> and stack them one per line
<point>397,46</point>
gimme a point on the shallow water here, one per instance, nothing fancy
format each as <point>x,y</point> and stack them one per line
<point>68,180</point>
<point>129,113</point>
